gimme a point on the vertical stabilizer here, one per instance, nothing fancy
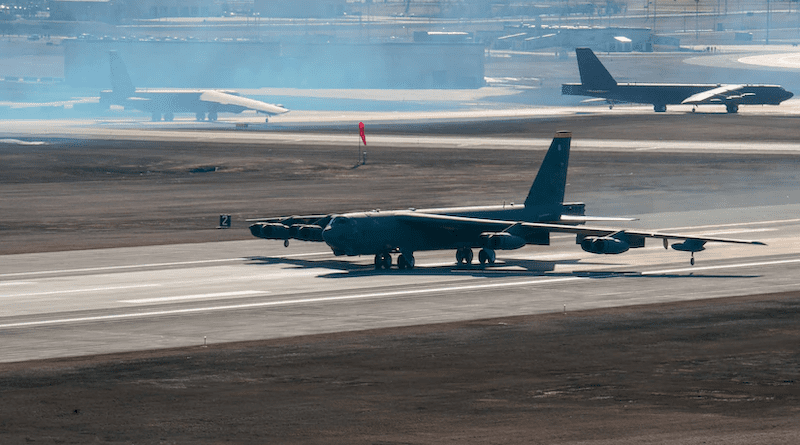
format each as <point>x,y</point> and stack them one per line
<point>121,84</point>
<point>548,187</point>
<point>594,75</point>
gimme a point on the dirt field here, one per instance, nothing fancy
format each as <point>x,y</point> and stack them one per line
<point>90,194</point>
<point>718,372</point>
<point>713,372</point>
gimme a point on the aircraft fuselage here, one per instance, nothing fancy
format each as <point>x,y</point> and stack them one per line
<point>673,94</point>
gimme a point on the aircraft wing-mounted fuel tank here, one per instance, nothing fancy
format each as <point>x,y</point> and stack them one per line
<point>615,243</point>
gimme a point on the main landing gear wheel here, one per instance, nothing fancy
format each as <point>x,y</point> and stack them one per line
<point>383,261</point>
<point>658,108</point>
<point>405,262</point>
<point>200,116</point>
<point>155,117</point>
<point>212,116</point>
<point>732,108</point>
<point>486,256</point>
<point>692,260</point>
<point>168,117</point>
<point>464,255</point>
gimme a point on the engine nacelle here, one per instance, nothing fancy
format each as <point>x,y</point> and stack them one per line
<point>501,241</point>
<point>604,245</point>
<point>690,245</point>
<point>270,231</point>
<point>307,232</point>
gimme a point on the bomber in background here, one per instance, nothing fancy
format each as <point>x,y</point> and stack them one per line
<point>488,228</point>
<point>597,82</point>
<point>167,102</point>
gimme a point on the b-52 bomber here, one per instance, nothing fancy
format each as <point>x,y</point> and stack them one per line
<point>167,102</point>
<point>597,82</point>
<point>488,228</point>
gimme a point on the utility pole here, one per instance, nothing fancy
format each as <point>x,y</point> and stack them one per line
<point>696,21</point>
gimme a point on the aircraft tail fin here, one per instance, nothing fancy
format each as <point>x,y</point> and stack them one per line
<point>548,187</point>
<point>121,83</point>
<point>593,74</point>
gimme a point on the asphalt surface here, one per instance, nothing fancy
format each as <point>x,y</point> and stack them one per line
<point>102,301</point>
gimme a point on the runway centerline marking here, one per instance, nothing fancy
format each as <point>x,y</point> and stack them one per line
<point>195,297</point>
<point>396,293</point>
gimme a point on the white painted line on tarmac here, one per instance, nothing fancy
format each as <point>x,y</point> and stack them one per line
<point>77,291</point>
<point>754,223</point>
<point>731,232</point>
<point>130,266</point>
<point>284,303</point>
<point>723,266</point>
<point>195,297</point>
<point>140,266</point>
<point>397,293</point>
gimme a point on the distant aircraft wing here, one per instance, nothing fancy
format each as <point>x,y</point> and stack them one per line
<point>714,95</point>
<point>222,98</point>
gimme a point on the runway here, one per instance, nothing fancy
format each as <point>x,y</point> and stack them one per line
<point>113,300</point>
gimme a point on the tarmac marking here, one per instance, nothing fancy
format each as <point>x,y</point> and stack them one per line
<point>75,291</point>
<point>130,266</point>
<point>724,266</point>
<point>195,297</point>
<point>139,266</point>
<point>396,293</point>
<point>777,221</point>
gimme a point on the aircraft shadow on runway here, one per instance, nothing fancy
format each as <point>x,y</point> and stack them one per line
<point>347,269</point>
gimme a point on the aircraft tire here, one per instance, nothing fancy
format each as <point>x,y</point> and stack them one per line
<point>168,117</point>
<point>732,108</point>
<point>383,261</point>
<point>468,255</point>
<point>212,116</point>
<point>155,117</point>
<point>485,256</point>
<point>200,116</point>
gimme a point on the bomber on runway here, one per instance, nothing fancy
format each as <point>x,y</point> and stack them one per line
<point>596,81</point>
<point>203,103</point>
<point>490,228</point>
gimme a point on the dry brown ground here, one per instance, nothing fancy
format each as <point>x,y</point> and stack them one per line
<point>720,371</point>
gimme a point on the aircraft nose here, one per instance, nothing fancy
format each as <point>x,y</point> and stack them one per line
<point>337,232</point>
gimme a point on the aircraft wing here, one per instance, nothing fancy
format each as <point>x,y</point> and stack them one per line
<point>289,220</point>
<point>221,98</point>
<point>714,95</point>
<point>520,228</point>
<point>606,231</point>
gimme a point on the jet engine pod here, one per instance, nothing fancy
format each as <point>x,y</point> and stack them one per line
<point>501,241</point>
<point>604,245</point>
<point>309,232</point>
<point>270,231</point>
<point>690,245</point>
